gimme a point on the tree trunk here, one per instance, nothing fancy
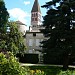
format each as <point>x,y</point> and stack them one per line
<point>65,62</point>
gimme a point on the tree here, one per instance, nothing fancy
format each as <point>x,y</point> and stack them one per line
<point>15,41</point>
<point>4,15</point>
<point>10,37</point>
<point>60,31</point>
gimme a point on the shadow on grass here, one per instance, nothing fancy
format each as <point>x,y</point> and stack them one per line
<point>53,70</point>
<point>49,70</point>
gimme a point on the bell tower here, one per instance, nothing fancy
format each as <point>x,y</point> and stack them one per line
<point>35,14</point>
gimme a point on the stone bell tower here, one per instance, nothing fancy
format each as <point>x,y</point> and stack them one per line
<point>34,36</point>
<point>35,15</point>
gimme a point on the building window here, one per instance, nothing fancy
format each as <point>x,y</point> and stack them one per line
<point>32,15</point>
<point>30,51</point>
<point>37,42</point>
<point>36,14</point>
<point>30,42</point>
<point>34,26</point>
<point>35,19</point>
<point>34,34</point>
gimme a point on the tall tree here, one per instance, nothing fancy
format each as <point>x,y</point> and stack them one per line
<point>3,16</point>
<point>59,23</point>
<point>10,37</point>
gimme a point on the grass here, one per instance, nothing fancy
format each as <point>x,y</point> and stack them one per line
<point>53,70</point>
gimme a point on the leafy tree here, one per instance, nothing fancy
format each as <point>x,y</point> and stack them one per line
<point>15,41</point>
<point>60,31</point>
<point>10,38</point>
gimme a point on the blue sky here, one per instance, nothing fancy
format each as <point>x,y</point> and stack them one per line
<point>21,9</point>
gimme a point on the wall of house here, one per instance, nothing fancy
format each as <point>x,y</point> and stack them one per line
<point>33,40</point>
<point>22,28</point>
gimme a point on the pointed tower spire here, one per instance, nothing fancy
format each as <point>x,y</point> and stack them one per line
<point>36,7</point>
<point>35,15</point>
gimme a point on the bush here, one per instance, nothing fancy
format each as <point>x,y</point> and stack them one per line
<point>10,66</point>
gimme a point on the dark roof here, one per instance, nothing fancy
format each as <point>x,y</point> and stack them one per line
<point>36,7</point>
<point>19,22</point>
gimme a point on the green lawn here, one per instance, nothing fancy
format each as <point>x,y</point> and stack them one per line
<point>53,70</point>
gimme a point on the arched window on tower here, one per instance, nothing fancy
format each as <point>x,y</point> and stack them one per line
<point>32,15</point>
<point>36,19</point>
<point>36,14</point>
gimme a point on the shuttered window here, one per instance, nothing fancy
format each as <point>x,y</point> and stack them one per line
<point>30,42</point>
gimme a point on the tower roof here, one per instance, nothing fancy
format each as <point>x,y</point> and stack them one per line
<point>36,7</point>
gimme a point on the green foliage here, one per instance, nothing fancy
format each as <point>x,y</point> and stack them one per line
<point>2,44</point>
<point>3,16</point>
<point>48,70</point>
<point>14,40</point>
<point>10,66</point>
<point>59,29</point>
<point>52,70</point>
<point>68,72</point>
<point>3,20</point>
<point>10,38</point>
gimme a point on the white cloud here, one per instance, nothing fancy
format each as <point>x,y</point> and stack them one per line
<point>26,2</point>
<point>19,14</point>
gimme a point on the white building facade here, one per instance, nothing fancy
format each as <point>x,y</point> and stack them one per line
<point>21,27</point>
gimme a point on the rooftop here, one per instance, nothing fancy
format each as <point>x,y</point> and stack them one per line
<point>36,7</point>
<point>19,22</point>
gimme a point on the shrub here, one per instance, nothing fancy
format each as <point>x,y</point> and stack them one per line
<point>68,72</point>
<point>10,66</point>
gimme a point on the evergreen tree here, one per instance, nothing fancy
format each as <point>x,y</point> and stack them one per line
<point>3,16</point>
<point>59,23</point>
